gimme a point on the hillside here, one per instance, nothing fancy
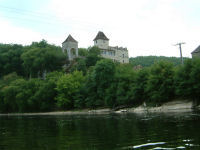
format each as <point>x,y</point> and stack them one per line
<point>147,61</point>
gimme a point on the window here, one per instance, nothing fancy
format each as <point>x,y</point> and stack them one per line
<point>123,61</point>
<point>123,55</point>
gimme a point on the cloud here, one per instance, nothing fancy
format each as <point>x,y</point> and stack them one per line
<point>11,33</point>
<point>14,34</point>
<point>145,27</point>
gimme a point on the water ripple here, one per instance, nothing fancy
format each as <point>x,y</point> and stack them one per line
<point>146,145</point>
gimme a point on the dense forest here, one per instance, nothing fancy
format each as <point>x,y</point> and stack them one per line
<point>147,61</point>
<point>38,77</point>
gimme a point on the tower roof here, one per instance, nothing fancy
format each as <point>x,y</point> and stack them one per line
<point>70,39</point>
<point>197,50</point>
<point>100,35</point>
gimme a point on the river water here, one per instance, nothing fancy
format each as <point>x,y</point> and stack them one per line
<point>101,132</point>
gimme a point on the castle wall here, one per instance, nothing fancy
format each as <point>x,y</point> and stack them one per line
<point>103,44</point>
<point>67,47</point>
<point>118,54</point>
<point>195,55</point>
<point>122,56</point>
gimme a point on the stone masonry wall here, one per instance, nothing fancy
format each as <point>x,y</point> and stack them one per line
<point>194,55</point>
<point>116,54</point>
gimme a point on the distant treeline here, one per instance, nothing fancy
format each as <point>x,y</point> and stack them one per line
<point>33,79</point>
<point>147,61</point>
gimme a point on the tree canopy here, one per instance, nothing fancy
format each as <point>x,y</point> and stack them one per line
<point>90,82</point>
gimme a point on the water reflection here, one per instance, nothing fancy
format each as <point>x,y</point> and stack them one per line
<point>100,132</point>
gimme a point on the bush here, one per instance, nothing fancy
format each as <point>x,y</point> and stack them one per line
<point>160,85</point>
<point>67,87</point>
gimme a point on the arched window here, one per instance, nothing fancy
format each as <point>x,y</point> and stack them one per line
<point>73,51</point>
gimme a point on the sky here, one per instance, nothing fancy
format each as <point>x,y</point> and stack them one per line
<point>145,27</point>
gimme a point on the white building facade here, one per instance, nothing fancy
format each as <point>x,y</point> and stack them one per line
<point>117,54</point>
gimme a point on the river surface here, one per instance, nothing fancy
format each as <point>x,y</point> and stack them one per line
<point>101,132</point>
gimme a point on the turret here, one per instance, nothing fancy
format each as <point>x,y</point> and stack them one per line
<point>101,41</point>
<point>70,46</point>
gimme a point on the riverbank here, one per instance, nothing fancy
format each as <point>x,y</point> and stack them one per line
<point>174,106</point>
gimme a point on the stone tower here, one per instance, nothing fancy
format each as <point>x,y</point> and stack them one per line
<point>70,46</point>
<point>101,41</point>
<point>115,53</point>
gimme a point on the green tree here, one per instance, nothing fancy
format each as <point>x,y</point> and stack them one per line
<point>139,94</point>
<point>147,61</point>
<point>82,52</point>
<point>7,93</point>
<point>99,80</point>
<point>182,80</point>
<point>187,80</point>
<point>93,56</point>
<point>160,85</point>
<point>195,78</point>
<point>125,79</point>
<point>67,87</point>
<point>80,65</point>
<point>10,60</point>
<point>47,92</point>
<point>42,58</point>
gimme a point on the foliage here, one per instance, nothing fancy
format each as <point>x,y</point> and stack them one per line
<point>182,80</point>
<point>42,58</point>
<point>195,78</point>
<point>20,95</point>
<point>91,81</point>
<point>10,60</point>
<point>93,56</point>
<point>147,61</point>
<point>99,80</point>
<point>160,86</point>
<point>139,93</point>
<point>33,60</point>
<point>67,87</point>
<point>125,79</point>
<point>82,52</point>
<point>187,79</point>
<point>80,65</point>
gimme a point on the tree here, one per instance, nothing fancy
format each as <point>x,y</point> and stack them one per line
<point>7,93</point>
<point>182,80</point>
<point>93,56</point>
<point>125,79</point>
<point>187,80</point>
<point>80,65</point>
<point>139,93</point>
<point>10,60</point>
<point>147,61</point>
<point>99,80</point>
<point>42,58</point>
<point>195,78</point>
<point>83,52</point>
<point>67,87</point>
<point>160,85</point>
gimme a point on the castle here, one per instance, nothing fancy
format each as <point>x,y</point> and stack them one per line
<point>117,54</point>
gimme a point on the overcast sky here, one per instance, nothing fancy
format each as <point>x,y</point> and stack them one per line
<point>145,27</point>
